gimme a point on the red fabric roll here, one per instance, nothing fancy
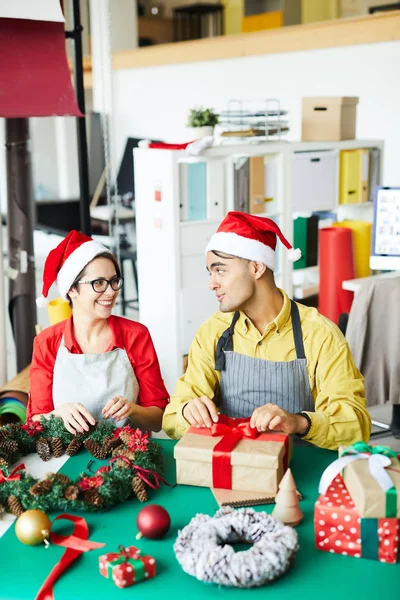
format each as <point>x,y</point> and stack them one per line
<point>336,264</point>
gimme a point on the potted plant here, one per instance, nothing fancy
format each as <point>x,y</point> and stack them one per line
<point>202,121</point>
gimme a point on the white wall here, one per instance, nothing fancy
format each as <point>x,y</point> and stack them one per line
<point>154,102</point>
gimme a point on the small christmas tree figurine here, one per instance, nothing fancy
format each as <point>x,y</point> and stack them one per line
<point>287,508</point>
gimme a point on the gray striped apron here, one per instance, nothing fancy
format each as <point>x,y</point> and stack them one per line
<point>247,383</point>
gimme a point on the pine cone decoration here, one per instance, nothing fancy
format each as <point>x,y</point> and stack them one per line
<point>93,497</point>
<point>41,487</point>
<point>43,449</point>
<point>125,437</point>
<point>110,443</point>
<point>8,446</point>
<point>71,492</point>
<point>61,478</point>
<point>15,506</point>
<point>2,509</point>
<point>57,447</point>
<point>3,463</point>
<point>139,489</point>
<point>95,449</point>
<point>73,447</point>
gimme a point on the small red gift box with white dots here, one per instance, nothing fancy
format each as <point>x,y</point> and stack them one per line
<point>339,528</point>
<point>127,567</point>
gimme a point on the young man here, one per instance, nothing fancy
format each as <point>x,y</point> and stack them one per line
<point>264,356</point>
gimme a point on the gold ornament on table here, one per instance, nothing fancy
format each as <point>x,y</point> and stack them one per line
<point>287,509</point>
<point>33,527</point>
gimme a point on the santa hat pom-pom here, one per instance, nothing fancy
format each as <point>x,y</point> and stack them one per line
<point>42,302</point>
<point>294,254</point>
<point>144,143</point>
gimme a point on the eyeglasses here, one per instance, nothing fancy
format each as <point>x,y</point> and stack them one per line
<point>100,285</point>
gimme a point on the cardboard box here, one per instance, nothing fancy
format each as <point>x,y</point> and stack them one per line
<point>329,119</point>
<point>368,496</point>
<point>257,465</point>
<point>339,528</point>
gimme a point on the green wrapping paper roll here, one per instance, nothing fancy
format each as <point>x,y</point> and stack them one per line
<point>300,240</point>
<point>336,264</point>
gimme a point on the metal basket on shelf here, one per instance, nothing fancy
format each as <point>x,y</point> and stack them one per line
<point>253,119</point>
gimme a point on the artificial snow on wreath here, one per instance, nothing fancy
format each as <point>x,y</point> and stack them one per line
<point>135,465</point>
<point>203,548</point>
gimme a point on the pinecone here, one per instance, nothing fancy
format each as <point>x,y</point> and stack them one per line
<point>57,447</point>
<point>95,449</point>
<point>41,487</point>
<point>73,447</point>
<point>15,506</point>
<point>110,442</point>
<point>71,492</point>
<point>3,463</point>
<point>93,497</point>
<point>125,437</point>
<point>43,449</point>
<point>2,509</point>
<point>139,489</point>
<point>61,478</point>
<point>8,446</point>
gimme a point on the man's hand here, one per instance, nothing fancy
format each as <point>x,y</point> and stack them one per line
<point>118,408</point>
<point>271,417</point>
<point>200,412</point>
<point>75,416</point>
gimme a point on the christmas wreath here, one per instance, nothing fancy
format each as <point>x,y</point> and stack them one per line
<point>203,548</point>
<point>135,464</point>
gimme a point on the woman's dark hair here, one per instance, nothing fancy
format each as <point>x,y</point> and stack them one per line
<point>107,255</point>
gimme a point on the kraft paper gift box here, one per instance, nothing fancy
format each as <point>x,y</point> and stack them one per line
<point>231,455</point>
<point>340,529</point>
<point>373,480</point>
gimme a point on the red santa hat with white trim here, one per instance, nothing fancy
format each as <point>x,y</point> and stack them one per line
<point>66,261</point>
<point>251,237</point>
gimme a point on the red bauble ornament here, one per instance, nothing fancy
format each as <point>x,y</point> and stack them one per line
<point>153,521</point>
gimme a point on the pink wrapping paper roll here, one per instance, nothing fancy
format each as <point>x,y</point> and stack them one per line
<point>336,264</point>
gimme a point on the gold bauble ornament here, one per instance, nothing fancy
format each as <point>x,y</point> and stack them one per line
<point>33,527</point>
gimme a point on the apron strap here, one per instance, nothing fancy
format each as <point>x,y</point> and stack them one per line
<point>225,342</point>
<point>297,333</point>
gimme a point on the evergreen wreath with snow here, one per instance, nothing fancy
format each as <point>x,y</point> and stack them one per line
<point>135,464</point>
<point>203,548</point>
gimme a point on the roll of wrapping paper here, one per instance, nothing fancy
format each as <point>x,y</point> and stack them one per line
<point>336,264</point>
<point>58,310</point>
<point>300,241</point>
<point>361,245</point>
<point>12,410</point>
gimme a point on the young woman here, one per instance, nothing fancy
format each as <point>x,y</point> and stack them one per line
<point>93,366</point>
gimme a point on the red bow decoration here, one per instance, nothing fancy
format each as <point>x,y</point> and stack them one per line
<point>142,473</point>
<point>14,475</point>
<point>233,430</point>
<point>75,545</point>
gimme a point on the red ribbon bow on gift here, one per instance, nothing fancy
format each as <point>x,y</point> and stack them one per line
<point>14,475</point>
<point>233,430</point>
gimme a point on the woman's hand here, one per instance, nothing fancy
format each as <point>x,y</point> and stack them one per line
<point>118,408</point>
<point>75,416</point>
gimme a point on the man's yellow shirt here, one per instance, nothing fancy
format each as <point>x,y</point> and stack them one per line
<point>337,387</point>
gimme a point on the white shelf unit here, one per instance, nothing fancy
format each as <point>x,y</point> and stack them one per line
<point>173,281</point>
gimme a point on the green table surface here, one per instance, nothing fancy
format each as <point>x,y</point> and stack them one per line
<point>314,575</point>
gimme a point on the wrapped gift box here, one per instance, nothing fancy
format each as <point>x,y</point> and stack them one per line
<point>368,496</point>
<point>339,528</point>
<point>127,566</point>
<point>253,464</point>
